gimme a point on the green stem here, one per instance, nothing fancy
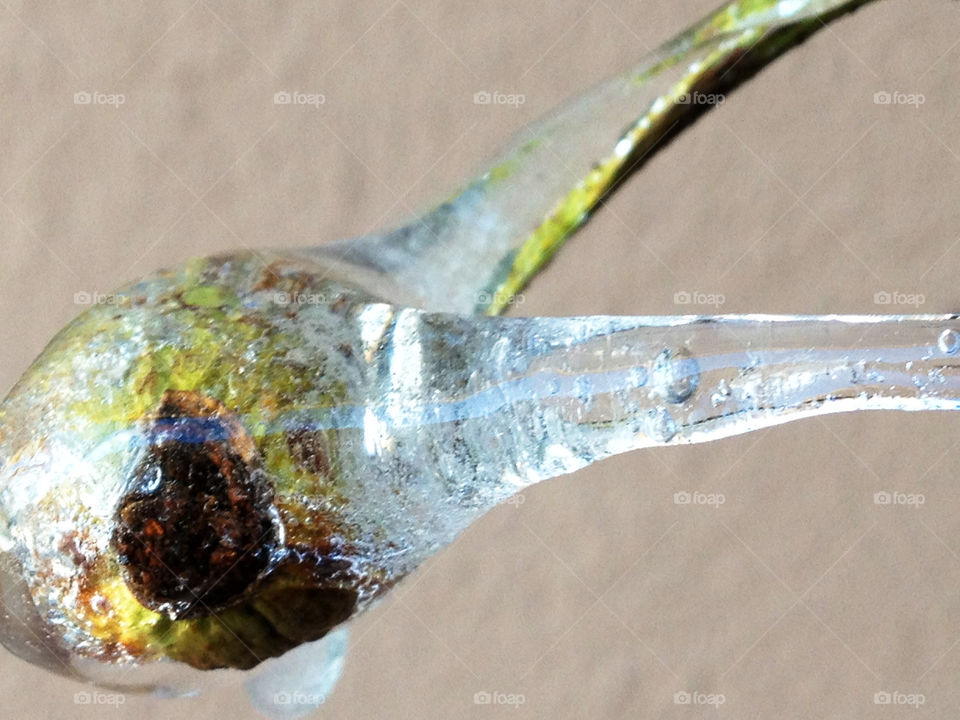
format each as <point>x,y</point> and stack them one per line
<point>475,252</point>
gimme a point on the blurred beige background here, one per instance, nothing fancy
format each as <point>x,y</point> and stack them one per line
<point>597,596</point>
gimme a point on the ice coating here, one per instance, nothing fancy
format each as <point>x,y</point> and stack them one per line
<point>382,431</point>
<point>223,467</point>
<point>297,683</point>
<point>78,427</point>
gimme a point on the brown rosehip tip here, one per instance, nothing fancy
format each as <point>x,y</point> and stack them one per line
<point>196,529</point>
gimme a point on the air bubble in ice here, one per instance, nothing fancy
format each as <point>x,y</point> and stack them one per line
<point>553,386</point>
<point>661,425</point>
<point>638,376</point>
<point>583,387</point>
<point>675,375</point>
<point>858,372</point>
<point>949,342</point>
<point>721,394</point>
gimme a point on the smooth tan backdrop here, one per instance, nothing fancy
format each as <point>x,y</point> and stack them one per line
<point>598,596</point>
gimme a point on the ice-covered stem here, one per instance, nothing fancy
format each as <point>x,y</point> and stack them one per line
<point>503,227</point>
<point>552,395</point>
